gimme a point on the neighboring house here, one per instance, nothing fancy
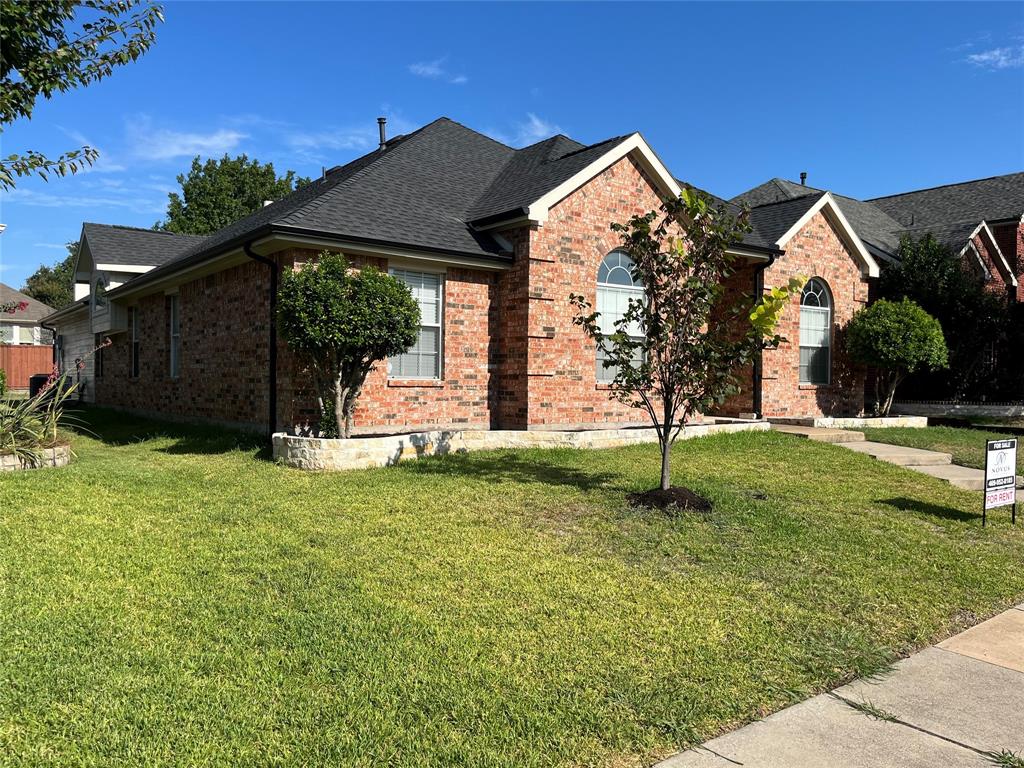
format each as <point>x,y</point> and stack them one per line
<point>22,326</point>
<point>24,343</point>
<point>492,240</point>
<point>982,221</point>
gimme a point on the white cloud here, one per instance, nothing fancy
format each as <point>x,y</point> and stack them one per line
<point>535,129</point>
<point>165,144</point>
<point>105,163</point>
<point>55,246</point>
<point>434,70</point>
<point>49,200</point>
<point>322,146</point>
<point>1009,57</point>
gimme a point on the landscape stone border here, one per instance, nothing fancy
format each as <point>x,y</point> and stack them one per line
<point>58,456</point>
<point>318,454</point>
<point>855,422</point>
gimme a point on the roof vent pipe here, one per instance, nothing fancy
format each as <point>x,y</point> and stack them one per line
<point>381,121</point>
<point>803,178</point>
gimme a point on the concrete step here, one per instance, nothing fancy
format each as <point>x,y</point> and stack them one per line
<point>968,478</point>
<point>898,454</point>
<point>820,434</point>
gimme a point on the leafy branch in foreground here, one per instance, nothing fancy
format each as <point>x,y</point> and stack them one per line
<point>54,46</point>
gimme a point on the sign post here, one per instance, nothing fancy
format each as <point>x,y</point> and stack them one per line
<point>1000,476</point>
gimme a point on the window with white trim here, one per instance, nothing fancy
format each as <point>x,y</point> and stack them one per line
<point>174,332</point>
<point>815,333</point>
<point>423,359</point>
<point>8,333</point>
<point>133,322</point>
<point>615,289</point>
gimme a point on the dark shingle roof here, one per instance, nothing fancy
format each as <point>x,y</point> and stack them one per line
<point>953,235</point>
<point>425,190</point>
<point>110,244</point>
<point>878,232</point>
<point>773,220</point>
<point>998,197</point>
<point>754,238</point>
<point>33,313</point>
<point>531,172</point>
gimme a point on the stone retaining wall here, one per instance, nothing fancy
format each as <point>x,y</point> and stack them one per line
<point>49,457</point>
<point>855,422</point>
<point>312,453</point>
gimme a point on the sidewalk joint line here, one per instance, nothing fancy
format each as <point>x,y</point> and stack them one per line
<point>852,705</point>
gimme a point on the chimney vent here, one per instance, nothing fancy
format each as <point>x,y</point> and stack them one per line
<point>803,178</point>
<point>381,121</point>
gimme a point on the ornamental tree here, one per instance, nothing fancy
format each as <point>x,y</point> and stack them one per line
<point>343,321</point>
<point>678,351</point>
<point>896,338</point>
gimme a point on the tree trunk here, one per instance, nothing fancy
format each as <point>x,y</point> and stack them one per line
<point>890,395</point>
<point>340,417</point>
<point>666,474</point>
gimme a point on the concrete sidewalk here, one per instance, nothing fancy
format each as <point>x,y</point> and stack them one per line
<point>954,704</point>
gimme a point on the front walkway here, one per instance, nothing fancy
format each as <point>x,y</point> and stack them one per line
<point>931,463</point>
<point>958,703</point>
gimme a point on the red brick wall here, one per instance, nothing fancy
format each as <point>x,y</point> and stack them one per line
<point>460,399</point>
<point>224,324</point>
<point>816,251</point>
<point>999,283</point>
<point>1010,238</point>
<point>564,256</point>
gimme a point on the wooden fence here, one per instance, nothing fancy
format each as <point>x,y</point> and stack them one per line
<point>19,363</point>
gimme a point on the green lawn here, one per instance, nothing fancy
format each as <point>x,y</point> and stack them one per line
<point>967,446</point>
<point>173,598</point>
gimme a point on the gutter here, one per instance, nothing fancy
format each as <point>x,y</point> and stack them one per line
<point>757,375</point>
<point>271,338</point>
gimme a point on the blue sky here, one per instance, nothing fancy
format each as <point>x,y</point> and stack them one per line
<point>868,98</point>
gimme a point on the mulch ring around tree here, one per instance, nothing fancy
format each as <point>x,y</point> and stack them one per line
<point>675,499</point>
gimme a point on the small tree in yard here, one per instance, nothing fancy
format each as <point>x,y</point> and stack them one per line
<point>679,350</point>
<point>344,321</point>
<point>897,338</point>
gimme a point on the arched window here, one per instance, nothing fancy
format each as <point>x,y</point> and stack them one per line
<point>816,333</point>
<point>615,288</point>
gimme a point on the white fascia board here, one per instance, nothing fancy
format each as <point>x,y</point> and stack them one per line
<point>984,229</point>
<point>827,205</point>
<point>132,269</point>
<point>977,255</point>
<point>634,145</point>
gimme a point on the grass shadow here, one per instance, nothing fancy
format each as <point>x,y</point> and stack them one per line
<point>510,466</point>
<point>116,428</point>
<point>927,508</point>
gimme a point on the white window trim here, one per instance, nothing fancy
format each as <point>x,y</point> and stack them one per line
<point>174,352</point>
<point>441,278</point>
<point>606,375</point>
<point>828,310</point>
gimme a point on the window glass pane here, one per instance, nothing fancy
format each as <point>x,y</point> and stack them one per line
<point>423,359</point>
<point>7,333</point>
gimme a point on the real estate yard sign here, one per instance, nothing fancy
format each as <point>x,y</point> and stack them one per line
<point>1000,476</point>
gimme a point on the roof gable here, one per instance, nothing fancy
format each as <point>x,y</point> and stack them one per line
<point>114,245</point>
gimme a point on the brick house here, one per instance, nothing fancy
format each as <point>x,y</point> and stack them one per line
<point>492,240</point>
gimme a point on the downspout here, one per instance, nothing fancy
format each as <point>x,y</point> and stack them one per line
<point>272,337</point>
<point>53,344</point>
<point>757,401</point>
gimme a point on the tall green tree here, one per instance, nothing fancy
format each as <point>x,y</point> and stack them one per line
<point>680,348</point>
<point>219,192</point>
<point>54,285</point>
<point>54,46</point>
<point>974,318</point>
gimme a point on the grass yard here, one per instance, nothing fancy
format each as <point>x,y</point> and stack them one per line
<point>967,446</point>
<point>173,598</point>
